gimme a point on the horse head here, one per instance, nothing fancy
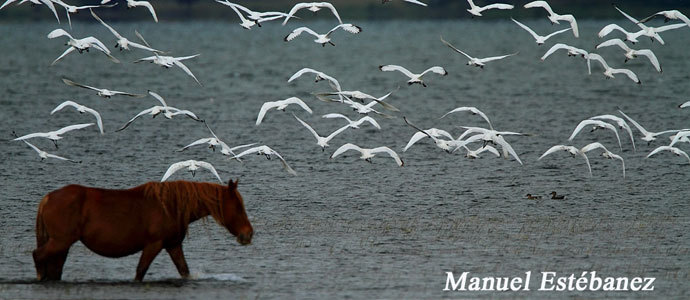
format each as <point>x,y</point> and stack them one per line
<point>234,215</point>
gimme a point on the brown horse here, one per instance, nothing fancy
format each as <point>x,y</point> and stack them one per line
<point>117,223</point>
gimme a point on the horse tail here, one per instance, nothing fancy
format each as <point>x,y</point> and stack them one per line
<point>41,232</point>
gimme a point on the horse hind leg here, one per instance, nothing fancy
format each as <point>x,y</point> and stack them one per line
<point>147,256</point>
<point>177,257</point>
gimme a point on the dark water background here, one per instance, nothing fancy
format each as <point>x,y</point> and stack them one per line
<point>343,226</point>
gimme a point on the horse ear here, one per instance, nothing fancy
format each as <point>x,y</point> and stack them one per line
<point>233,185</point>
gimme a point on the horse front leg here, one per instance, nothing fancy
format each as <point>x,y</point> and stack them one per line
<point>177,257</point>
<point>147,256</point>
<point>50,259</point>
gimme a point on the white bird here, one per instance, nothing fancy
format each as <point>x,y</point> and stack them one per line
<point>105,93</point>
<point>570,149</point>
<point>360,108</point>
<point>572,51</point>
<point>473,110</point>
<point>45,155</point>
<point>410,1</point>
<point>652,32</point>
<point>475,153</point>
<point>167,111</point>
<point>608,71</point>
<point>681,136</point>
<point>132,4</point>
<point>53,135</point>
<point>632,53</point>
<point>368,154</point>
<point>191,165</point>
<point>266,151</point>
<point>434,134</point>
<point>319,76</point>
<point>538,38</point>
<point>122,42</point>
<point>477,10</point>
<point>323,39</point>
<point>668,15</point>
<point>253,17</point>
<point>673,150</point>
<point>71,9</point>
<point>280,105</point>
<point>47,3</point>
<point>477,62</point>
<point>414,78</point>
<point>80,45</point>
<point>215,141</point>
<point>621,124</point>
<point>354,124</point>
<point>598,124</point>
<point>313,7</point>
<point>322,141</point>
<point>684,105</point>
<point>607,154</point>
<point>169,61</point>
<point>554,17</point>
<point>81,109</point>
<point>629,36</point>
<point>360,96</point>
<point>495,137</point>
<point>647,136</point>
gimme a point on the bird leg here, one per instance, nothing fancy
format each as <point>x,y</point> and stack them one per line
<point>193,173</point>
<point>331,43</point>
<point>55,142</point>
<point>368,160</point>
<point>423,84</point>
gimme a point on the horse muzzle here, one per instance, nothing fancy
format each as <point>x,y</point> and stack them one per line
<point>245,238</point>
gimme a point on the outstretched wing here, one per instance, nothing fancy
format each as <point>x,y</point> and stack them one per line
<point>63,104</point>
<point>614,42</point>
<point>534,34</point>
<point>455,49</point>
<point>295,33</point>
<point>388,68</point>
<point>488,59</point>
<point>344,148</point>
<point>308,127</point>
<point>390,152</point>
<point>184,68</point>
<point>174,168</point>
<point>209,167</point>
<point>435,69</point>
<point>72,127</point>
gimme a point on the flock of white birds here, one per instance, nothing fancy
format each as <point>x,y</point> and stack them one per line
<point>488,139</point>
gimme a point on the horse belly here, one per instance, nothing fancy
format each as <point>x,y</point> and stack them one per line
<point>113,243</point>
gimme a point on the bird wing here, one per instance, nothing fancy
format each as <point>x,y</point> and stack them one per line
<point>614,42</point>
<point>679,136</point>
<point>354,29</point>
<point>63,104</point>
<point>554,48</point>
<point>652,58</point>
<point>142,47</point>
<point>554,149</point>
<point>611,27</point>
<point>209,167</point>
<point>415,138</point>
<point>184,68</point>
<point>542,4</point>
<point>298,101</point>
<point>308,127</point>
<point>388,68</point>
<point>184,112</point>
<point>282,160</point>
<point>32,146</point>
<point>498,6</point>
<point>143,112</point>
<point>332,8</point>
<point>592,146</point>
<point>70,49</point>
<point>262,112</point>
<point>99,121</point>
<point>158,97</point>
<point>637,125</point>
<point>507,148</point>
<point>659,149</point>
<point>669,27</point>
<point>96,43</point>
<point>58,33</point>
<point>295,33</point>
<point>597,57</point>
<point>490,149</point>
<point>573,23</point>
<point>47,3</point>
<point>416,2</point>
<point>456,49</point>
<point>368,119</point>
<point>630,18</point>
<point>488,59</point>
<point>390,152</point>
<point>147,5</point>
<point>294,9</point>
<point>336,115</point>
<point>72,127</point>
<point>534,34</point>
<point>334,133</point>
<point>70,82</point>
<point>629,73</point>
<point>556,32</point>
<point>197,142</point>
<point>344,148</point>
<point>112,30</point>
<point>435,69</point>
<point>174,168</point>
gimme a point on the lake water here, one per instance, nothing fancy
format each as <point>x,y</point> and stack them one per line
<point>343,226</point>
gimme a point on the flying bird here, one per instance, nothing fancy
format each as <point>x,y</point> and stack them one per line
<point>132,4</point>
<point>53,135</point>
<point>554,17</point>
<point>105,93</point>
<point>214,142</point>
<point>192,166</point>
<point>668,15</point>
<point>323,39</point>
<point>673,150</point>
<point>473,110</point>
<point>268,152</point>
<point>652,32</point>
<point>71,9</point>
<point>414,78</point>
<point>368,154</point>
<point>169,61</point>
<point>570,149</point>
<point>477,10</point>
<point>354,124</point>
<point>608,71</point>
<point>572,51</point>
<point>319,76</point>
<point>313,7</point>
<point>47,3</point>
<point>538,38</point>
<point>122,42</point>
<point>598,124</point>
<point>45,155</point>
<point>474,61</point>
<point>647,136</point>
<point>475,153</point>
<point>621,124</point>
<point>280,105</point>
<point>81,109</point>
<point>80,45</point>
<point>320,140</point>
<point>632,53</point>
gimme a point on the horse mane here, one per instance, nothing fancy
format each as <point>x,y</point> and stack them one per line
<point>184,200</point>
